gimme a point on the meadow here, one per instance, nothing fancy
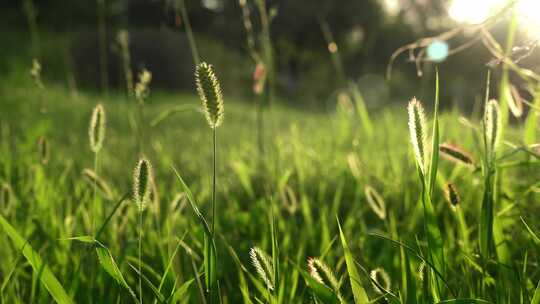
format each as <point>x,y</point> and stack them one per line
<point>152,196</point>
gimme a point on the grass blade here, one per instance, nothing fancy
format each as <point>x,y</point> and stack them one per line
<point>106,261</point>
<point>46,276</point>
<point>360,295</point>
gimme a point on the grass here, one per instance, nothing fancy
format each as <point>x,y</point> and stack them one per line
<point>325,188</point>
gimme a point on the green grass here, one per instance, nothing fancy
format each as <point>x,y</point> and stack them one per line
<point>286,203</point>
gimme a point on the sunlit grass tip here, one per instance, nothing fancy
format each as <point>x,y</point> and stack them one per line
<point>456,154</point>
<point>452,195</point>
<point>492,125</point>
<point>375,201</point>
<point>322,273</point>
<point>417,130</point>
<point>142,177</point>
<point>209,91</point>
<point>96,130</point>
<point>380,280</point>
<point>43,149</point>
<point>92,177</point>
<point>142,87</point>
<point>263,265</point>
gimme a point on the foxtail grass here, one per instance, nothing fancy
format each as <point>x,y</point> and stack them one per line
<point>427,170</point>
<point>142,179</point>
<point>456,154</point>
<point>324,275</point>
<point>380,280</point>
<point>492,126</point>
<point>262,263</point>
<point>376,202</point>
<point>142,90</point>
<point>96,133</point>
<point>209,91</point>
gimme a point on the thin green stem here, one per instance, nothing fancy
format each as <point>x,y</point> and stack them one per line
<point>95,208</point>
<point>140,255</point>
<point>189,33</point>
<point>214,156</point>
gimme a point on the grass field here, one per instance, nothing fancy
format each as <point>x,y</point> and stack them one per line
<point>323,187</point>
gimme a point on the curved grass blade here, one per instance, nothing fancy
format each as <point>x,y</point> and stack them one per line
<point>157,293</point>
<point>106,261</point>
<point>181,292</point>
<point>536,296</point>
<point>465,301</point>
<point>531,232</point>
<point>360,295</point>
<point>46,276</point>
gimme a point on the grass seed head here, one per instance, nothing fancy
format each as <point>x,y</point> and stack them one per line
<point>142,177</point>
<point>452,195</point>
<point>35,73</point>
<point>263,265</point>
<point>43,148</point>
<point>94,179</point>
<point>142,87</point>
<point>5,195</point>
<point>456,154</point>
<point>322,274</point>
<point>376,202</point>
<point>492,126</point>
<point>96,131</point>
<point>380,278</point>
<point>259,78</point>
<point>417,130</point>
<point>210,93</point>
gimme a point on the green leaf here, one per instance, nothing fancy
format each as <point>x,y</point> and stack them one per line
<point>533,235</point>
<point>158,296</point>
<point>107,262</point>
<point>181,292</point>
<point>361,109</point>
<point>82,238</point>
<point>435,243</point>
<point>536,296</point>
<point>360,295</point>
<point>465,301</point>
<point>46,276</point>
<point>408,283</point>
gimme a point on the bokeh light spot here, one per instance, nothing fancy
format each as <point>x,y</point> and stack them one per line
<point>437,51</point>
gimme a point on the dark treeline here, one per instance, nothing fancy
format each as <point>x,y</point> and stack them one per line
<point>366,36</point>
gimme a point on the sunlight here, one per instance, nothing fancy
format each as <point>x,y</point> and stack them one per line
<point>477,11</point>
<point>473,11</point>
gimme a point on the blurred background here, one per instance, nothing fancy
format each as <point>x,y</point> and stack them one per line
<point>317,46</point>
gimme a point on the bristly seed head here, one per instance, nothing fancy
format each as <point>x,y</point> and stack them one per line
<point>43,148</point>
<point>417,130</point>
<point>97,128</point>
<point>379,276</point>
<point>210,93</point>
<point>323,274</point>
<point>263,265</point>
<point>142,177</point>
<point>142,87</point>
<point>492,126</point>
<point>376,202</point>
<point>456,154</point>
<point>452,195</point>
<point>94,179</point>
<point>5,195</point>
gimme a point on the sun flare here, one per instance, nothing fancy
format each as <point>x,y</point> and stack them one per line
<point>476,11</point>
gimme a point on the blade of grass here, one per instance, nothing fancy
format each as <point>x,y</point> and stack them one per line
<point>360,295</point>
<point>46,277</point>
